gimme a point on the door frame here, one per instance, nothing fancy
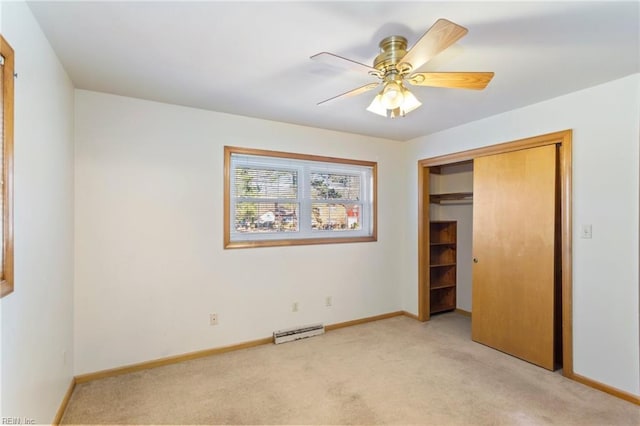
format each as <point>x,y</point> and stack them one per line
<point>563,140</point>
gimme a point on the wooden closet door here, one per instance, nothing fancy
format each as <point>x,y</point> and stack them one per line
<point>513,249</point>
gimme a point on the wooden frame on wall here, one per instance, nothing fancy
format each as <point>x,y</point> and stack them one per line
<point>7,282</point>
<point>563,140</point>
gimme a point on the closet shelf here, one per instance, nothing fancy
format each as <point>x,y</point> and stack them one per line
<point>441,286</point>
<point>457,197</point>
<point>437,170</point>
<point>439,265</point>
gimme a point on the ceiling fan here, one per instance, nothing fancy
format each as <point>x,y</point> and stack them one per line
<point>395,66</point>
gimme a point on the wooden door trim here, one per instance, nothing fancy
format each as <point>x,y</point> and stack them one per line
<point>424,298</point>
<point>563,139</point>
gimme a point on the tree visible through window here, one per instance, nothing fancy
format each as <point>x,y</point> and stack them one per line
<point>274,198</point>
<point>344,191</point>
<point>6,163</point>
<point>263,200</point>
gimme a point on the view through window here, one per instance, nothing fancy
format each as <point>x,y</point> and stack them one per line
<point>281,198</point>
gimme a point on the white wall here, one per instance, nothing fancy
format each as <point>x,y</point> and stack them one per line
<point>150,266</point>
<point>604,120</point>
<point>37,327</point>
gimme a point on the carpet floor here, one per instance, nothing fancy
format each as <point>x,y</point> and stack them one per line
<point>393,371</point>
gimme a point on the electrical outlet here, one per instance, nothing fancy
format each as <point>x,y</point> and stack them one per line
<point>294,307</point>
<point>328,302</point>
<point>213,319</point>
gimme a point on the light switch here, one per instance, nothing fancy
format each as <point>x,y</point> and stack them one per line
<point>585,232</point>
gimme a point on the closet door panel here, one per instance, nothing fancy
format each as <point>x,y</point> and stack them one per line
<point>513,250</point>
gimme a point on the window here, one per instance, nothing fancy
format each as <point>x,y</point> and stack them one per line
<point>276,198</point>
<point>6,164</point>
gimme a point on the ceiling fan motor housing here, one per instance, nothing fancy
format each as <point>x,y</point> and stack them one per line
<point>392,50</point>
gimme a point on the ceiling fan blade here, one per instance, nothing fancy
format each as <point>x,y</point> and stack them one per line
<point>456,80</point>
<point>339,61</point>
<point>441,35</point>
<point>353,92</point>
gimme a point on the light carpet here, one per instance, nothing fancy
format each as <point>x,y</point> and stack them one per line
<point>394,371</point>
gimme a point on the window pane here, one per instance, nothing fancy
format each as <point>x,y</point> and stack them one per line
<point>266,217</point>
<point>335,217</point>
<point>265,183</point>
<point>335,186</point>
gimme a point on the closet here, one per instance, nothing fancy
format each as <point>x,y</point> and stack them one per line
<point>515,234</point>
<point>450,198</point>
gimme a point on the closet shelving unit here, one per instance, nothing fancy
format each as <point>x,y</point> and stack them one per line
<point>442,265</point>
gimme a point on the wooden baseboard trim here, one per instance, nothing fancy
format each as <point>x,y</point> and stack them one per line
<point>410,315</point>
<point>169,360</point>
<point>463,312</point>
<point>103,374</point>
<point>65,401</point>
<point>336,326</point>
<point>605,388</point>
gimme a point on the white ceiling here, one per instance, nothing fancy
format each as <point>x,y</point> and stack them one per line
<point>252,58</point>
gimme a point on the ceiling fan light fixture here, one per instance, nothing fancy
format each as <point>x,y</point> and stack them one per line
<point>392,95</point>
<point>381,107</point>
<point>410,102</point>
<point>394,113</point>
<point>376,106</point>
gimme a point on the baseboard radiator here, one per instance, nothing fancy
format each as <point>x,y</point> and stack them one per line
<point>291,334</point>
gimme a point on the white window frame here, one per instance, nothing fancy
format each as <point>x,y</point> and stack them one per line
<point>303,165</point>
